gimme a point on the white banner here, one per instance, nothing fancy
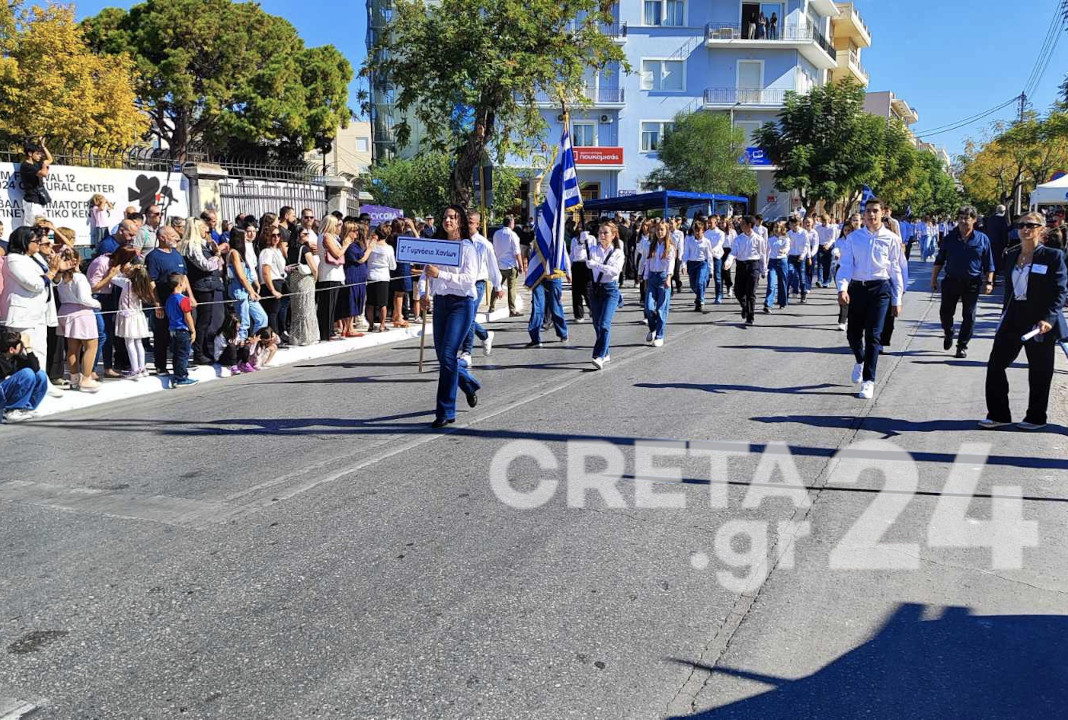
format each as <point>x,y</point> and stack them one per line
<point>71,188</point>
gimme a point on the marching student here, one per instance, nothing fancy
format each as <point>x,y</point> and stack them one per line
<point>813,249</point>
<point>641,256</point>
<point>798,258</point>
<point>848,227</point>
<point>869,279</point>
<point>827,233</point>
<point>888,325</point>
<point>580,274</point>
<point>778,250</point>
<point>717,240</point>
<point>1036,288</point>
<point>658,267</point>
<point>454,306</point>
<point>679,238</point>
<point>488,280</point>
<point>606,260</point>
<point>750,252</point>
<point>697,254</point>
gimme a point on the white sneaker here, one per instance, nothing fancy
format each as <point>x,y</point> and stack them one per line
<point>858,373</point>
<point>598,363</point>
<point>649,337</point>
<point>465,359</point>
<point>18,415</point>
<point>607,358</point>
<point>54,391</point>
<point>659,342</point>
<point>867,390</point>
<point>487,344</point>
<point>842,326</point>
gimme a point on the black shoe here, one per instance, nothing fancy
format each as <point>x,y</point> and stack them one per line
<point>767,310</point>
<point>947,341</point>
<point>962,352</point>
<point>533,344</point>
<point>441,422</point>
<point>472,399</point>
<point>804,299</point>
<point>749,321</point>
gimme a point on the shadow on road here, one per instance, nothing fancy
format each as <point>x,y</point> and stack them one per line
<point>958,665</point>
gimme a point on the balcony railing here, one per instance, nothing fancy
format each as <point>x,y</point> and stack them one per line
<point>744,96</point>
<point>853,58</point>
<point>615,30</point>
<point>790,33</point>
<point>849,8</point>
<point>599,95</point>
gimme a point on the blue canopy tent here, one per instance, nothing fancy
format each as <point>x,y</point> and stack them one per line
<point>663,200</point>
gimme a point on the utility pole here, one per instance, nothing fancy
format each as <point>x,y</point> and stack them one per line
<point>1019,186</point>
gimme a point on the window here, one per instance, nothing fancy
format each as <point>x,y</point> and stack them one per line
<point>749,127</point>
<point>584,134</point>
<point>663,75</point>
<point>362,144</point>
<point>652,133</point>
<point>665,12</point>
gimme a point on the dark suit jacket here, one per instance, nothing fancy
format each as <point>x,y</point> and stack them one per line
<point>1046,292</point>
<point>997,229</point>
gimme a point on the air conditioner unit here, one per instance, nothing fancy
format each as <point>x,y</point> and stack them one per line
<point>606,119</point>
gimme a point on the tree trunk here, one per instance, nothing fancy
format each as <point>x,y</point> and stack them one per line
<point>469,157</point>
<point>179,135</point>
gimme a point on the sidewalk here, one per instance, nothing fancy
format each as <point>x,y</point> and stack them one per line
<point>115,390</point>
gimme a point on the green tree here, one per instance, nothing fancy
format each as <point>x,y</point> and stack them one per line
<point>422,184</point>
<point>700,154</point>
<point>476,68</point>
<point>227,76</point>
<point>52,86</point>
<point>826,147</point>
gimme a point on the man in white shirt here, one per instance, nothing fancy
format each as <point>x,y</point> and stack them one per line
<point>718,240</point>
<point>798,259</point>
<point>680,246</point>
<point>827,233</point>
<point>510,262</point>
<point>488,276</point>
<point>869,281</point>
<point>750,252</point>
<point>580,274</point>
<point>813,249</point>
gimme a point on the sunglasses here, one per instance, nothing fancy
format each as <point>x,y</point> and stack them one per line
<point>1028,225</point>
<point>276,234</point>
<point>308,217</point>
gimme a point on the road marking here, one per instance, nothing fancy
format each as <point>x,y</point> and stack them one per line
<point>13,709</point>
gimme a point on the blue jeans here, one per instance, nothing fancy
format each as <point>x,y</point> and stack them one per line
<point>777,271</point>
<point>698,272</point>
<point>452,321</point>
<point>796,275</point>
<point>604,299</point>
<point>476,327</point>
<point>868,306</point>
<point>23,390</point>
<point>717,276</point>
<point>657,303</point>
<point>181,347</point>
<point>253,317</point>
<point>547,297</point>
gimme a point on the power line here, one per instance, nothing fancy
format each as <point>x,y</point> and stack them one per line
<point>969,121</point>
<point>1045,51</point>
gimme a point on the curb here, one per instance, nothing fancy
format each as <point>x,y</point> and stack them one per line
<point>116,390</point>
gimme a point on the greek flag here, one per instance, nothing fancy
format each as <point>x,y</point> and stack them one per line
<point>549,253</point>
<point>865,195</point>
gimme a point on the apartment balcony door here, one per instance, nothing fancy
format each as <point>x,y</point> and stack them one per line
<point>750,81</point>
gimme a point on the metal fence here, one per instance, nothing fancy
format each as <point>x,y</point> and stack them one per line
<point>256,197</point>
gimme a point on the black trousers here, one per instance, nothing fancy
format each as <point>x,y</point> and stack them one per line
<point>888,327</point>
<point>746,282</point>
<point>1040,362</point>
<point>580,289</point>
<point>868,306</point>
<point>966,292</point>
<point>208,316</point>
<point>161,342</point>
<point>728,284</point>
<point>676,276</point>
<point>325,302</point>
<point>272,306</point>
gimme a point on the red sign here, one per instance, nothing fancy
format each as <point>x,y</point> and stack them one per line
<point>598,155</point>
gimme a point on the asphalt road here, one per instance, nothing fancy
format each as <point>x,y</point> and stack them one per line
<point>297,543</point>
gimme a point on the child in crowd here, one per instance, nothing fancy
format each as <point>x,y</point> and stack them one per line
<point>230,349</point>
<point>131,324</point>
<point>179,312</point>
<point>264,347</point>
<point>77,322</point>
<point>99,219</point>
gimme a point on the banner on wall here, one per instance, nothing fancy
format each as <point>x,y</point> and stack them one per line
<point>381,213</point>
<point>72,187</point>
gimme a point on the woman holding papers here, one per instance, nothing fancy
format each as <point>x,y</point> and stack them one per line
<point>454,292</point>
<point>1036,286</point>
<point>605,262</point>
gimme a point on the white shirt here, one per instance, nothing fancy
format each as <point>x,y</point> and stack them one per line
<point>778,247</point>
<point>643,253</point>
<point>605,263</point>
<point>872,256</point>
<point>77,292</point>
<point>487,261</point>
<point>751,247</point>
<point>718,240</point>
<point>328,272</point>
<point>659,262</point>
<point>827,234</point>
<point>381,260</point>
<point>680,242</point>
<point>813,242</point>
<point>763,231</point>
<point>697,250</point>
<point>506,248</point>
<point>274,258</point>
<point>458,280</point>
<point>798,243</point>
<point>579,245</point>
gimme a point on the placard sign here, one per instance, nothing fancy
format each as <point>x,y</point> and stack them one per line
<point>428,252</point>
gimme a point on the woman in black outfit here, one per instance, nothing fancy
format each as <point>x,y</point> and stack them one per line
<point>1036,286</point>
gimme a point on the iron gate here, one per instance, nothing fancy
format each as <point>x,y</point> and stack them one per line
<point>257,197</point>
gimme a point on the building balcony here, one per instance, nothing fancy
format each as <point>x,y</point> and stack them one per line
<point>904,112</point>
<point>729,97</point>
<point>806,39</point>
<point>850,26</point>
<point>849,66</point>
<point>617,31</point>
<point>598,97</point>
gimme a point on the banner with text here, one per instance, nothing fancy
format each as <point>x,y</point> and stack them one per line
<point>428,252</point>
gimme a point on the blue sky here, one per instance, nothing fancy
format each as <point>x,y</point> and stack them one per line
<point>949,59</point>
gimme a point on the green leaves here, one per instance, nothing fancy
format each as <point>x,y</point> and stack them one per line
<point>701,154</point>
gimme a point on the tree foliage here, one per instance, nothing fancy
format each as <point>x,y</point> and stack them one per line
<point>477,67</point>
<point>53,86</point>
<point>228,76</point>
<point>700,154</point>
<point>1016,159</point>
<point>422,184</point>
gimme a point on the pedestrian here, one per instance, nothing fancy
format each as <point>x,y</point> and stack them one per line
<point>1036,289</point>
<point>641,254</point>
<point>869,278</point>
<point>580,274</point>
<point>996,228</point>
<point>850,225</point>
<point>717,240</point>
<point>243,288</point>
<point>798,259</point>
<point>509,255</point>
<point>773,27</point>
<point>78,323</point>
<point>454,293</point>
<point>32,173</point>
<point>272,265</point>
<point>99,218</point>
<point>179,312</point>
<point>487,281</point>
<point>778,268</point>
<point>331,254</point>
<point>813,238</point>
<point>28,289</point>
<point>303,321</point>
<point>697,254</point>
<point>679,238</point>
<point>380,263</point>
<point>658,269</point>
<point>131,325</point>
<point>968,260</point>
<point>547,307</point>
<point>204,262</point>
<point>23,385</point>
<point>161,264</point>
<point>400,282</point>
<point>352,300</point>
<point>606,262</point>
<point>890,320</point>
<point>827,233</point>
<point>750,253</point>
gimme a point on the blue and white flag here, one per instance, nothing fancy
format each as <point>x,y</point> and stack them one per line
<point>865,195</point>
<point>548,255</point>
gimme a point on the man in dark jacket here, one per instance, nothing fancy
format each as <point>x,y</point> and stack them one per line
<point>23,385</point>
<point>996,227</point>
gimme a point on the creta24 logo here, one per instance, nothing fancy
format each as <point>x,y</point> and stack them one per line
<point>147,191</point>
